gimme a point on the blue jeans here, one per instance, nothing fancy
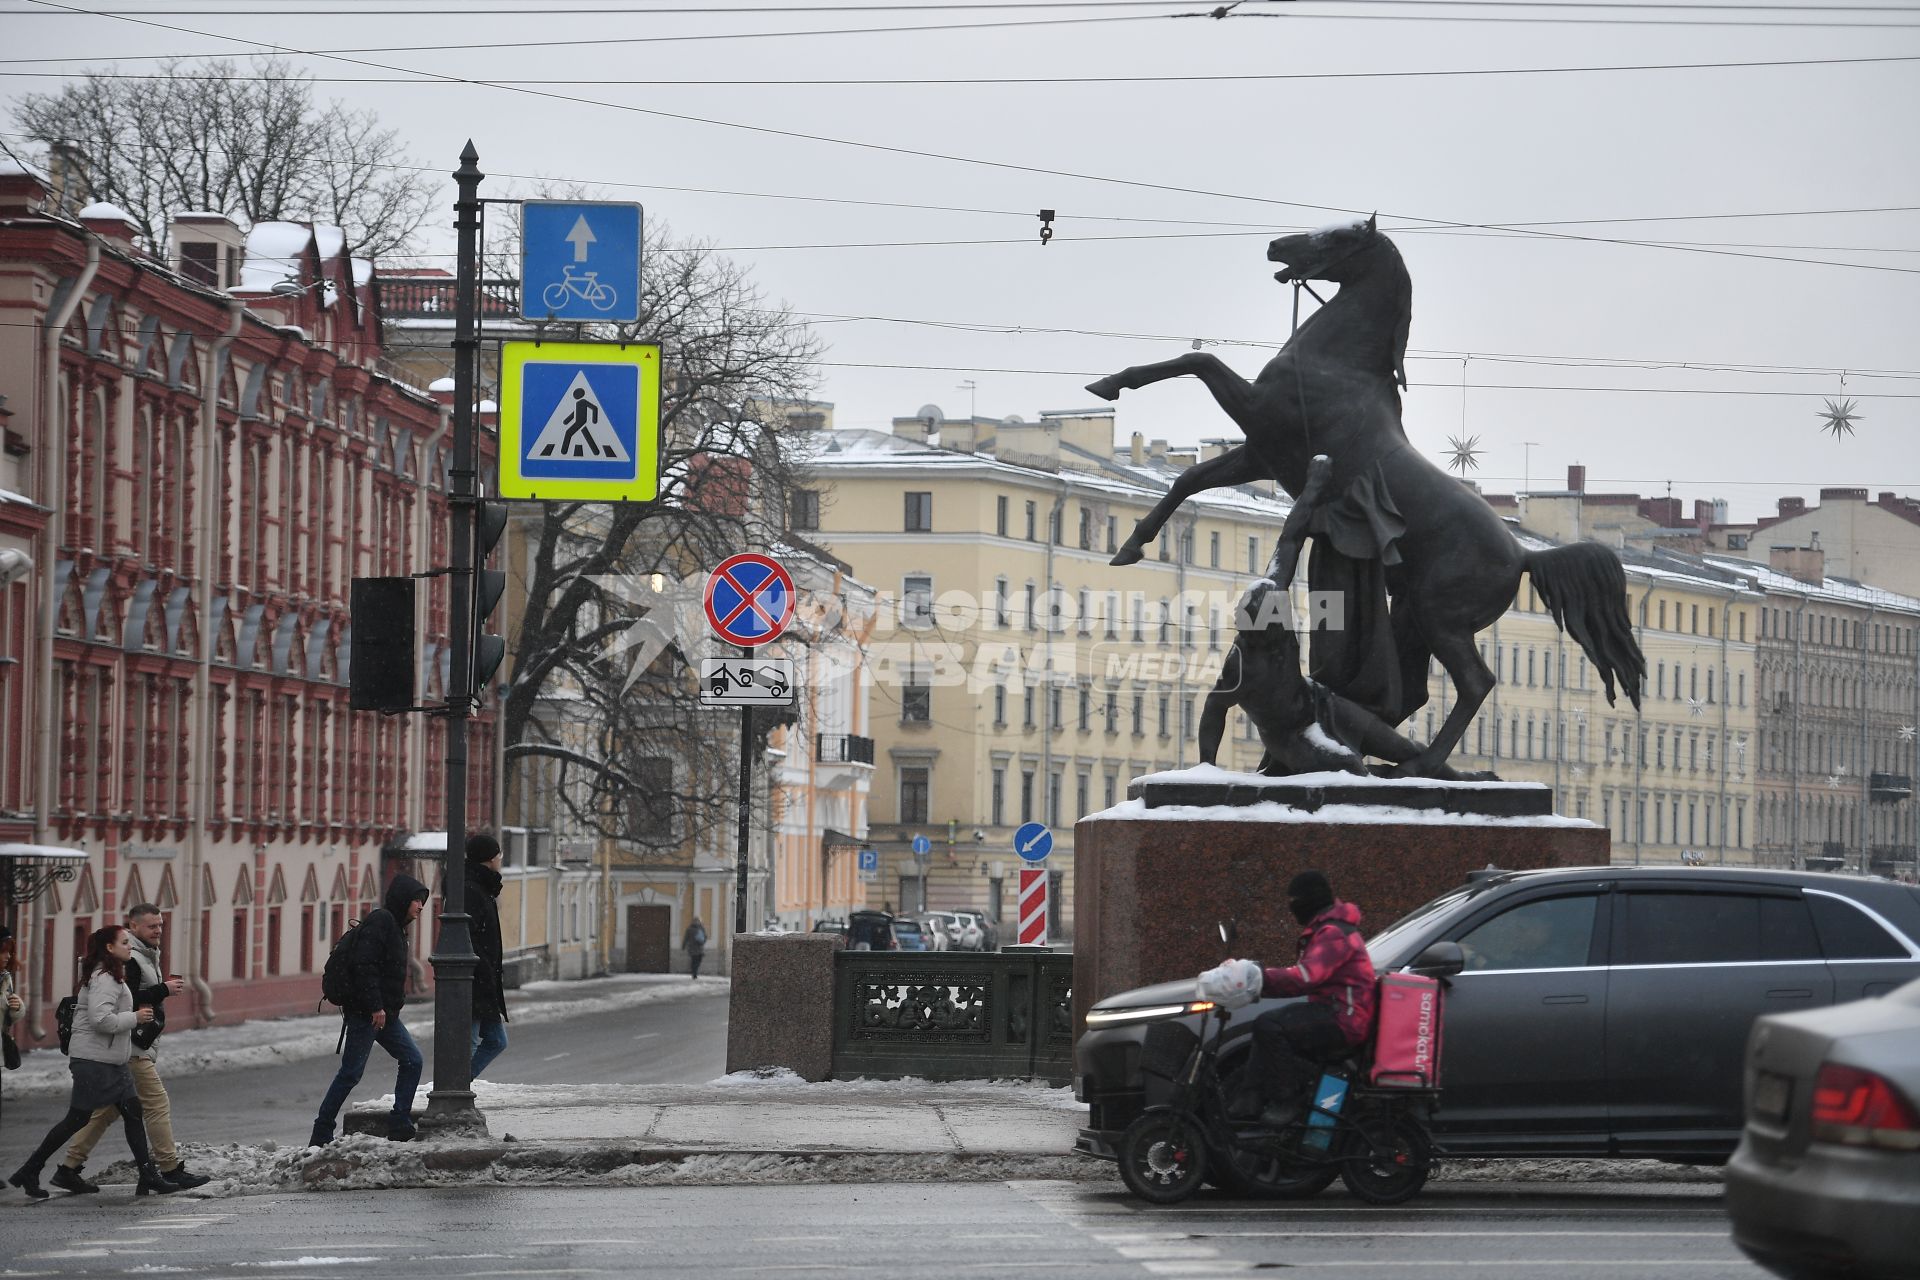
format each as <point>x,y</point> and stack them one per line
<point>361,1037</point>
<point>489,1042</point>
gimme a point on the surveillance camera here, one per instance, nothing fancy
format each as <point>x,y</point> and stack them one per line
<point>978,834</point>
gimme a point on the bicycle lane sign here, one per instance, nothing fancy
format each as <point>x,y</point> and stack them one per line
<point>580,260</point>
<point>580,421</point>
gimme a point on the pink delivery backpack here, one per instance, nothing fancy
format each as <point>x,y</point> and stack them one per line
<point>1406,1033</point>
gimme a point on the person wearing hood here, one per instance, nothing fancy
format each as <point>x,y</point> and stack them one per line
<point>372,1014</point>
<point>1335,974</point>
<point>489,983</point>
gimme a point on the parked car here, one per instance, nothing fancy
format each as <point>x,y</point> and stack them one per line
<point>969,936</point>
<point>1603,1011</point>
<point>942,930</point>
<point>907,935</point>
<point>1826,1181</point>
<point>869,931</point>
<point>988,931</point>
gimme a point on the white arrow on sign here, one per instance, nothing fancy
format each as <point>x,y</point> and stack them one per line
<point>580,237</point>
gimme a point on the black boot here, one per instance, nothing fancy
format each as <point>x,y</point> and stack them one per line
<point>151,1179</point>
<point>182,1178</point>
<point>70,1180</point>
<point>322,1134</point>
<point>27,1178</point>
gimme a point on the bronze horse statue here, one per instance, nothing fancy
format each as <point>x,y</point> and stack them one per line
<point>1397,528</point>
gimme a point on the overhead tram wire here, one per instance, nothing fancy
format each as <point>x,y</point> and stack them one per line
<point>518,8</point>
<point>977,81</point>
<point>895,150</point>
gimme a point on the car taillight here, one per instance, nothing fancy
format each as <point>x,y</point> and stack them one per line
<point>1860,1109</point>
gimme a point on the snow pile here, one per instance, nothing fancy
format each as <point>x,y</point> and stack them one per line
<point>276,251</point>
<point>1210,773</point>
<point>101,209</point>
<point>44,1072</point>
<point>1273,811</point>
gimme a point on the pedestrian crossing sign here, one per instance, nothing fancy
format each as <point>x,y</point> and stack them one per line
<point>580,421</point>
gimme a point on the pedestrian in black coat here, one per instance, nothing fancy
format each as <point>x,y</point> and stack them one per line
<point>372,1013</point>
<point>489,981</point>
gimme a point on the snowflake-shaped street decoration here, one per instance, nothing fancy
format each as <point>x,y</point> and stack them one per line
<point>1466,454</point>
<point>1838,418</point>
<point>1697,708</point>
<point>1906,733</point>
<point>1837,778</point>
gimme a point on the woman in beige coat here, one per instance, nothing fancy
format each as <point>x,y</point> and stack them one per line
<point>103,1023</point>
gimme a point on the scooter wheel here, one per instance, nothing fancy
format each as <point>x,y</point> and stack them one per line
<point>1387,1160</point>
<point>1163,1156</point>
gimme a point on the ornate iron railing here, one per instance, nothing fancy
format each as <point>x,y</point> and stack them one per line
<point>953,1016</point>
<point>843,748</point>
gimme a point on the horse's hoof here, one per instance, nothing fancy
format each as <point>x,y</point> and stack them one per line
<point>1108,389</point>
<point>1127,555</point>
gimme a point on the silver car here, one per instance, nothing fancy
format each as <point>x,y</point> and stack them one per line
<point>1826,1180</point>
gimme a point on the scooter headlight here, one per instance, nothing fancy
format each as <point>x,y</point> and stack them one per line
<point>1100,1019</point>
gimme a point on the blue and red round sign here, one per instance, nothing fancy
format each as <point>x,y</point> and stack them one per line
<point>749,599</point>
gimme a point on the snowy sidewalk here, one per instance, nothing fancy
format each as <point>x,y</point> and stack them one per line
<point>264,1042</point>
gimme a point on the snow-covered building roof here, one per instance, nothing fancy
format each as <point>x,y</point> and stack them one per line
<point>1830,590</point>
<point>275,253</point>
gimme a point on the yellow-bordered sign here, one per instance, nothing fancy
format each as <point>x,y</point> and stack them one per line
<point>580,421</point>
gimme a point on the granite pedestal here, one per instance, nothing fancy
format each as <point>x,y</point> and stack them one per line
<point>1149,884</point>
<point>781,1007</point>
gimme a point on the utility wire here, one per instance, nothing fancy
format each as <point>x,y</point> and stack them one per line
<point>921,82</point>
<point>908,151</point>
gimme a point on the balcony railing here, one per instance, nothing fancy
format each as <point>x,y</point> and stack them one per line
<point>842,748</point>
<point>432,298</point>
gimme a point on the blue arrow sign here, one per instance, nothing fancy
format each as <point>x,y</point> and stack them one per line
<point>579,260</point>
<point>922,846</point>
<point>1033,841</point>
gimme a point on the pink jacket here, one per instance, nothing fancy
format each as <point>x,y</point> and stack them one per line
<point>1334,969</point>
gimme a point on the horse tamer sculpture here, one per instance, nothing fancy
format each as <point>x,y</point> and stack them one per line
<point>1420,561</point>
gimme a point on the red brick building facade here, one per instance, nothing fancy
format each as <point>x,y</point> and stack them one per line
<point>199,459</point>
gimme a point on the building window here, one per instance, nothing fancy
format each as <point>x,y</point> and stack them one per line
<point>1000,706</point>
<point>999,810</point>
<point>1056,784</point>
<point>1054,718</point>
<point>806,509</point>
<point>1139,714</point>
<point>1027,705</point>
<point>1031,527</point>
<point>1111,787</point>
<point>916,698</point>
<point>914,783</point>
<point>1186,719</point>
<point>1000,515</point>
<point>1086,709</point>
<point>1113,712</point>
<point>1026,795</point>
<point>916,602</point>
<point>919,513</point>
<point>1086,529</point>
<point>1166,704</point>
<point>1000,603</point>
<point>1253,555</point>
<point>1032,620</point>
<point>1113,533</point>
<point>1083,791</point>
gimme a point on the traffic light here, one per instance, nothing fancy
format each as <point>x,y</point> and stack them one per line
<point>380,665</point>
<point>489,523</point>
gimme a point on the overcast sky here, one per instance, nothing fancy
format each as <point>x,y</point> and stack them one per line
<point>925,271</point>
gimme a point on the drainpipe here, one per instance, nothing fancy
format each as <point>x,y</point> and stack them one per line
<point>1727,624</point>
<point>1866,762</point>
<point>52,418</point>
<point>1056,529</point>
<point>1793,737</point>
<point>423,541</point>
<point>1639,744</point>
<point>205,542</point>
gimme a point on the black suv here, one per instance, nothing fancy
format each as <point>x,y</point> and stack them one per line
<point>1602,1012</point>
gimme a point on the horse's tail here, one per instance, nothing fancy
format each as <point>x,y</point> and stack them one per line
<point>1586,591</point>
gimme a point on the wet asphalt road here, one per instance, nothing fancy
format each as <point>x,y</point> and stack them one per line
<point>1073,1231</point>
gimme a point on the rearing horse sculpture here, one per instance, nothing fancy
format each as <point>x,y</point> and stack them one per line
<point>1398,528</point>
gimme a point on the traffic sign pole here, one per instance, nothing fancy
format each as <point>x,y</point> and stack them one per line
<point>745,815</point>
<point>453,959</point>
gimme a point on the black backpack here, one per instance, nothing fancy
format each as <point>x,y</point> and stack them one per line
<point>63,1021</point>
<point>336,980</point>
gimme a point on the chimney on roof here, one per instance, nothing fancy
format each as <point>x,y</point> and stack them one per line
<point>1576,478</point>
<point>1792,507</point>
<point>1156,448</point>
<point>1804,564</point>
<point>1843,495</point>
<point>1887,499</point>
<point>21,192</point>
<point>67,178</point>
<point>1137,450</point>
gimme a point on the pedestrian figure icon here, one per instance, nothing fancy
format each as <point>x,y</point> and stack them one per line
<point>578,427</point>
<point>584,411</point>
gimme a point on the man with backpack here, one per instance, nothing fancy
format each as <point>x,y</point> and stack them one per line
<point>1290,1044</point>
<point>694,942</point>
<point>147,978</point>
<point>372,958</point>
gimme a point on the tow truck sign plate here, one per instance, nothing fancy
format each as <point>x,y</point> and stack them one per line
<point>746,682</point>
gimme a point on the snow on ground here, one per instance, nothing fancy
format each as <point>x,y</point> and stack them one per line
<point>1273,811</point>
<point>1212,773</point>
<point>265,1042</point>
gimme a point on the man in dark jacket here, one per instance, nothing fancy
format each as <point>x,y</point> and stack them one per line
<point>372,1013</point>
<point>1336,975</point>
<point>489,984</point>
